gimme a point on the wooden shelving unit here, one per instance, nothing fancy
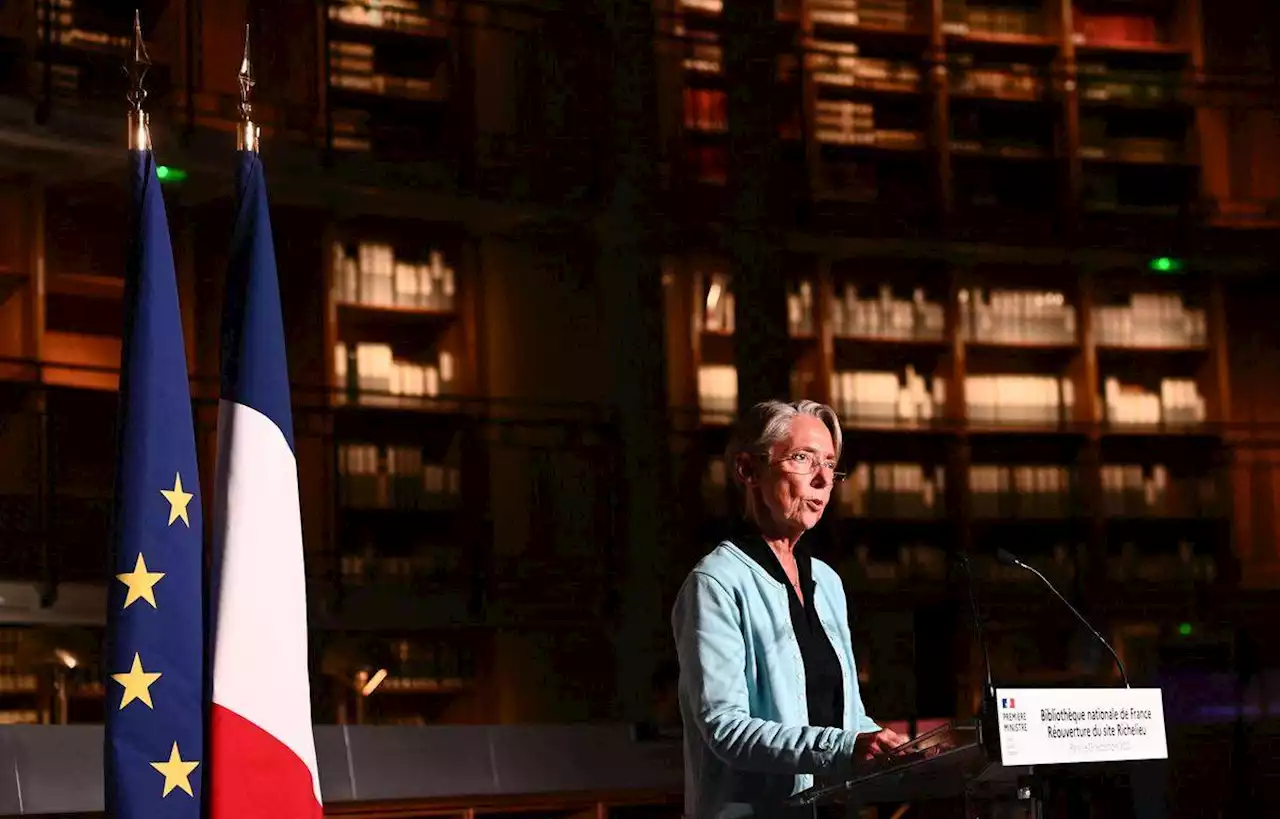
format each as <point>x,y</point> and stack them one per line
<point>401,364</point>
<point>1014,120</point>
<point>389,76</point>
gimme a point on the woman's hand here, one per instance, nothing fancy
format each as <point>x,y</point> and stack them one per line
<point>869,746</point>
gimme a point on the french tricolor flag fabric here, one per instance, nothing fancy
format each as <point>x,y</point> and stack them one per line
<point>262,758</point>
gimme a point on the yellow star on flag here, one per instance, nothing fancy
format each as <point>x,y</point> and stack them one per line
<point>177,772</point>
<point>178,501</point>
<point>141,583</point>
<point>137,683</point>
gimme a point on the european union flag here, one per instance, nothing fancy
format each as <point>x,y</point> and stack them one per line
<point>154,717</point>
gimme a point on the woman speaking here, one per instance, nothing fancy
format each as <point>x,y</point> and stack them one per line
<point>768,684</point>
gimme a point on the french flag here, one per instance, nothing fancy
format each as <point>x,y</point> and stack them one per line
<point>262,758</point>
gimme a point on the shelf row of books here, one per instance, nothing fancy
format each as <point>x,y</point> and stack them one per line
<point>874,397</point>
<point>917,561</point>
<point>371,274</point>
<point>960,17</point>
<point>1017,317</point>
<point>404,16</point>
<point>63,25</point>
<point>396,477</point>
<point>996,316</point>
<point>1021,491</point>
<point>423,663</point>
<point>1132,490</point>
<point>370,373</point>
<point>893,490</point>
<point>841,65</point>
<point>885,316</point>
<point>888,397</point>
<point>898,15</point>
<point>1185,565</point>
<point>915,491</point>
<point>434,566</point>
<point>1100,82</point>
<point>1150,320</point>
<point>1019,399</point>
<point>842,122</point>
<point>1178,403</point>
<point>351,67</point>
<point>1010,81</point>
<point>1151,150</point>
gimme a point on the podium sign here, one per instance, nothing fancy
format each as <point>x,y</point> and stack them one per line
<point>1051,726</point>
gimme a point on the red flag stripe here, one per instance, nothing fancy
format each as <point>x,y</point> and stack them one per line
<point>262,778</point>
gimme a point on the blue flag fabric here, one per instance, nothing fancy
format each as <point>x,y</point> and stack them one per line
<point>154,740</point>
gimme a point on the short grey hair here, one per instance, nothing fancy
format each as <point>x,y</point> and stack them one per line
<point>768,422</point>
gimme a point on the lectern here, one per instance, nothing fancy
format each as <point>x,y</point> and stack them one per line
<point>997,762</point>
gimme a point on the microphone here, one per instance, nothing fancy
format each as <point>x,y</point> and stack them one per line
<point>1009,560</point>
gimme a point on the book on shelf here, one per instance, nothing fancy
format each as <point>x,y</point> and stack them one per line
<point>1118,29</point>
<point>1184,563</point>
<point>963,18</point>
<point>1019,399</point>
<point>718,312</point>
<point>395,477</point>
<point>888,397</point>
<point>1020,490</point>
<point>718,389</point>
<point>840,64</point>
<point>1135,491</point>
<point>885,316</point>
<point>1150,320</point>
<point>1009,81</point>
<point>800,308</point>
<point>893,490</point>
<point>910,560</point>
<point>1099,82</point>
<point>1178,403</point>
<point>373,276</point>
<point>431,565</point>
<point>404,16</point>
<point>706,110</point>
<point>704,58</point>
<point>1017,317</point>
<point>364,371</point>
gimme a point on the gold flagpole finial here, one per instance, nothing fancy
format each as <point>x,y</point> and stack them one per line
<point>139,62</point>
<point>247,133</point>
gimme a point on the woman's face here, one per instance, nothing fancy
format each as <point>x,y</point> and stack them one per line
<point>793,485</point>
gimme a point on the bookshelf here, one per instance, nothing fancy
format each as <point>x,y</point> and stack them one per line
<point>401,365</point>
<point>83,43</point>
<point>1089,427</point>
<point>993,119</point>
<point>389,76</point>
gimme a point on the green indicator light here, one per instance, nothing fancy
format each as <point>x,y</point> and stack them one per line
<point>167,174</point>
<point>1185,629</point>
<point>1165,264</point>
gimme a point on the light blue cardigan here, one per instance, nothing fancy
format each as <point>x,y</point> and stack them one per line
<point>747,741</point>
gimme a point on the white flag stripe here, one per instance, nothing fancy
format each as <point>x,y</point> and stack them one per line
<point>260,655</point>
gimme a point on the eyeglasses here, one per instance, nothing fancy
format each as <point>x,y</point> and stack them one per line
<point>806,463</point>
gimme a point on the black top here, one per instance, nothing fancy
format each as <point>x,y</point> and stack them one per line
<point>824,681</point>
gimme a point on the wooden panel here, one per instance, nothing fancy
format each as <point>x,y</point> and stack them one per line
<point>80,351</point>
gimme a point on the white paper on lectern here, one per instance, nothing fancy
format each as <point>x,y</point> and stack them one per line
<point>1050,726</point>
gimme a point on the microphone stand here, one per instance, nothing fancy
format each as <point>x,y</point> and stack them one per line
<point>987,711</point>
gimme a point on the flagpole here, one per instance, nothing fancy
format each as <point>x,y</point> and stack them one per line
<point>139,121</point>
<point>247,134</point>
